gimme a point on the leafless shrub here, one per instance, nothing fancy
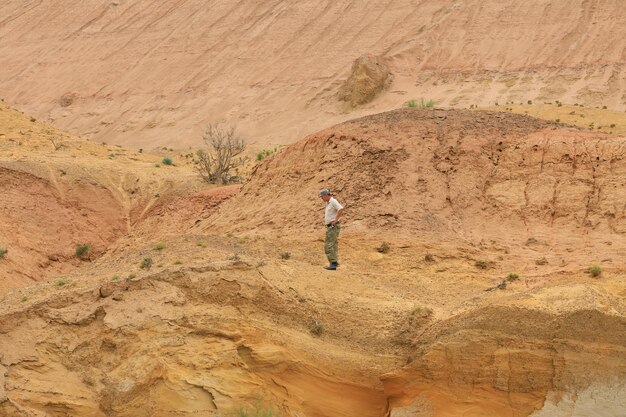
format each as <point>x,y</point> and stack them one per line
<point>222,155</point>
<point>56,142</point>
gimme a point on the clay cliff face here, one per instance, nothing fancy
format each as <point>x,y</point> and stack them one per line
<point>450,173</point>
<point>150,73</point>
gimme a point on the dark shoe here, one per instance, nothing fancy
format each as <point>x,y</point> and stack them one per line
<point>332,267</point>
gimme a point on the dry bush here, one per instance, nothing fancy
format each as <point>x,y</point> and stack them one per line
<point>512,277</point>
<point>482,264</point>
<point>222,154</point>
<point>56,142</point>
<point>146,263</point>
<point>315,326</point>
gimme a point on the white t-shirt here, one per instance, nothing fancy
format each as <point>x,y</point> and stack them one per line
<point>332,207</point>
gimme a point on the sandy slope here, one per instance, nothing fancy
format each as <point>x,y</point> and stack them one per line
<point>146,73</point>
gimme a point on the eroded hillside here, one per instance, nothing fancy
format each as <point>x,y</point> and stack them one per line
<point>146,73</point>
<point>481,304</point>
<point>60,191</point>
<point>453,174</point>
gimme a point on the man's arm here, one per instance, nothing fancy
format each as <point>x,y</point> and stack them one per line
<point>338,216</point>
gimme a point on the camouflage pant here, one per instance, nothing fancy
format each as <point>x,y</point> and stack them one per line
<point>331,243</point>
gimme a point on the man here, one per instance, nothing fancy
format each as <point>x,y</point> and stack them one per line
<point>334,211</point>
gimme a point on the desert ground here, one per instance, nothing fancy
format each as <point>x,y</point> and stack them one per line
<point>479,148</point>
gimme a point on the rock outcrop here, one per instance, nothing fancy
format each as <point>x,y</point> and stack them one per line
<point>369,76</point>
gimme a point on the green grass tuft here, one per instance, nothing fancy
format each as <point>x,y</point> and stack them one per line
<point>595,271</point>
<point>512,277</point>
<point>82,251</point>
<point>422,104</point>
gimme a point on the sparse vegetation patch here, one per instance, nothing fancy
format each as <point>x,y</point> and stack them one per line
<point>512,277</point>
<point>422,104</point>
<point>146,264</point>
<point>500,286</point>
<point>82,251</point>
<point>316,327</point>
<point>594,271</point>
<point>264,154</point>
<point>482,264</point>
<point>419,311</point>
<point>3,252</point>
